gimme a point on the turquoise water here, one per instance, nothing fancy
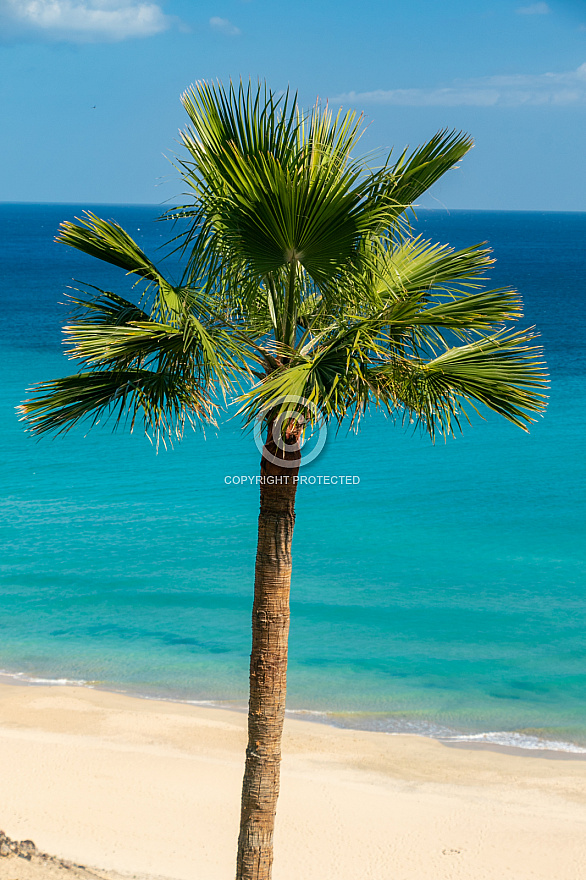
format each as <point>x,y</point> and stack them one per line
<point>443,593</point>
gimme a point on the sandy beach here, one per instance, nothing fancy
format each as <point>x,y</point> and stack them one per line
<point>142,788</point>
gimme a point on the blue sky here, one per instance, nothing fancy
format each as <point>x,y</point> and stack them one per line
<point>89,89</point>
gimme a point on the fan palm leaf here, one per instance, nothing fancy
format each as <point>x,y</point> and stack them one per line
<point>274,187</point>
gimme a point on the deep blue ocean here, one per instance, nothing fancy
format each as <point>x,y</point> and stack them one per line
<point>443,593</point>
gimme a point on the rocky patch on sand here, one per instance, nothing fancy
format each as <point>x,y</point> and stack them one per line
<point>26,849</point>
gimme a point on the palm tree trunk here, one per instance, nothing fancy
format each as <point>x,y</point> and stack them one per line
<point>268,665</point>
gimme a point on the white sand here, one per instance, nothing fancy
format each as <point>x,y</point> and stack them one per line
<point>152,788</point>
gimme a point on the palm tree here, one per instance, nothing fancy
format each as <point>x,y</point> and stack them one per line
<point>306,296</point>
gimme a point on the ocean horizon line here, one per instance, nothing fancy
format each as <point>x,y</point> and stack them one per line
<point>435,210</point>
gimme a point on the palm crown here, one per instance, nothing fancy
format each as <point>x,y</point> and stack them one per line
<point>301,277</point>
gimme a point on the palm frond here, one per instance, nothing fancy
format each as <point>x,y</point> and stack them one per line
<point>505,372</point>
<point>418,266</point>
<point>103,307</point>
<point>477,311</point>
<point>415,173</point>
<point>126,349</point>
<point>273,186</point>
<point>160,399</point>
<point>107,241</point>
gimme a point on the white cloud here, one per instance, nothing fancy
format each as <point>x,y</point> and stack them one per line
<point>223,26</point>
<point>83,20</point>
<point>534,9</point>
<point>516,90</point>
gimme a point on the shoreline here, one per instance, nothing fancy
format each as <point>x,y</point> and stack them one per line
<point>152,788</point>
<point>529,745</point>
